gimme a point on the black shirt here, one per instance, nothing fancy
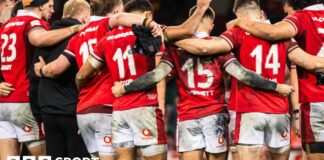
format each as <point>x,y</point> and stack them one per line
<point>58,96</point>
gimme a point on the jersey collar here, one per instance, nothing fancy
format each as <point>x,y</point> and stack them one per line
<point>23,12</point>
<point>200,35</point>
<point>316,7</point>
<point>96,18</point>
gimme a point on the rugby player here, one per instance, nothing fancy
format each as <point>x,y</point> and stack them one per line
<point>19,37</point>
<point>202,111</point>
<point>267,55</point>
<point>129,130</point>
<point>307,27</point>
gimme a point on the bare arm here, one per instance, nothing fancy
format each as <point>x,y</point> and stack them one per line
<point>42,38</point>
<point>189,27</point>
<point>295,101</point>
<point>279,31</point>
<point>254,80</point>
<point>88,69</point>
<point>305,60</point>
<point>204,47</point>
<point>294,96</point>
<point>161,86</point>
<point>53,69</point>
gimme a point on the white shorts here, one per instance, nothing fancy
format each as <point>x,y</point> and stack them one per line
<point>17,121</point>
<point>272,130</point>
<point>231,127</point>
<point>312,122</point>
<point>208,132</point>
<point>141,126</point>
<point>95,130</point>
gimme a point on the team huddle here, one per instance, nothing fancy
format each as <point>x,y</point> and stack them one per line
<point>93,83</point>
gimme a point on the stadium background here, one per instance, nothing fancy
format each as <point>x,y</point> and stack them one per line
<point>174,12</point>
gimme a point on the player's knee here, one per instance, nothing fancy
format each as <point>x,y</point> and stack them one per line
<point>316,147</point>
<point>35,143</point>
<point>153,150</point>
<point>279,150</point>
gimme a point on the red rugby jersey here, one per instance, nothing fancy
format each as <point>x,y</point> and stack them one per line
<point>200,82</point>
<point>125,66</point>
<point>17,53</point>
<point>265,58</point>
<point>309,24</point>
<point>98,90</point>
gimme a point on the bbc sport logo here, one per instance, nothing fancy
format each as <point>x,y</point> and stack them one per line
<point>47,158</point>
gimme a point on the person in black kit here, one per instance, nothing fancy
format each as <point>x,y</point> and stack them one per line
<point>58,96</point>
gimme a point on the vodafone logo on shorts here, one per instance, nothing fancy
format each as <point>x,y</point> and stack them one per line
<point>284,135</point>
<point>146,132</point>
<point>220,140</point>
<point>107,139</point>
<point>27,128</point>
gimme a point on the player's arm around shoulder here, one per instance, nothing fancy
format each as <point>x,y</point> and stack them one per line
<point>189,27</point>
<point>254,80</point>
<point>272,32</point>
<point>301,58</point>
<point>53,69</point>
<point>41,37</point>
<point>204,47</point>
<point>88,69</point>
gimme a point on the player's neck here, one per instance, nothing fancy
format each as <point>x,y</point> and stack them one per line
<point>202,29</point>
<point>35,11</point>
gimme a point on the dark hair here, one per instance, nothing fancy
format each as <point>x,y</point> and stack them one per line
<point>209,13</point>
<point>139,5</point>
<point>103,7</point>
<point>300,4</point>
<point>16,7</point>
<point>244,3</point>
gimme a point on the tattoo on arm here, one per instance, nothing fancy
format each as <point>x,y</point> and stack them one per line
<point>250,78</point>
<point>150,79</point>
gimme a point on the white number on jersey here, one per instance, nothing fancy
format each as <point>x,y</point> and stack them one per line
<point>273,54</point>
<point>87,48</point>
<point>119,56</point>
<point>11,47</point>
<point>188,66</point>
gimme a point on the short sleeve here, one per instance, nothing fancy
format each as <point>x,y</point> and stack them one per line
<point>167,57</point>
<point>69,52</point>
<point>231,37</point>
<point>294,21</point>
<point>99,51</point>
<point>226,59</point>
<point>36,24</point>
<point>291,45</point>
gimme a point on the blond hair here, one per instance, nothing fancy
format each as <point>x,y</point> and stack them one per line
<point>74,7</point>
